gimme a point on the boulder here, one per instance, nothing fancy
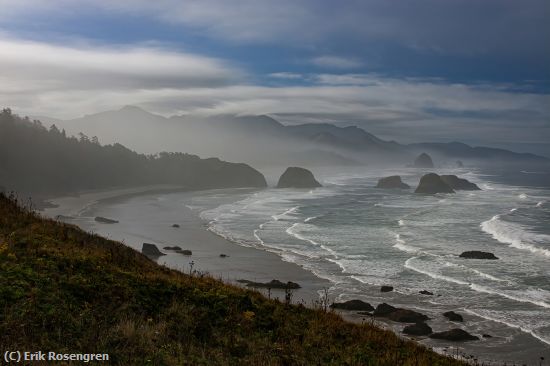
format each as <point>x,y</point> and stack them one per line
<point>432,183</point>
<point>172,248</point>
<point>271,284</point>
<point>452,316</point>
<point>176,226</point>
<point>455,335</point>
<point>423,161</point>
<point>392,182</point>
<point>476,254</point>
<point>295,177</point>
<point>399,315</point>
<point>386,288</point>
<point>184,252</point>
<point>459,184</point>
<point>424,292</point>
<point>384,310</point>
<point>356,305</point>
<point>487,336</point>
<point>105,220</point>
<point>418,329</point>
<point>223,255</point>
<point>151,250</point>
<point>407,316</point>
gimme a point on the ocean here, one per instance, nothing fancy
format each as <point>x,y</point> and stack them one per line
<point>359,238</point>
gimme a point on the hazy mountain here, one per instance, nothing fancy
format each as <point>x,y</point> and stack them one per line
<point>263,141</point>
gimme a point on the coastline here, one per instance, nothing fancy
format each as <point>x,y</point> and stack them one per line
<point>241,262</point>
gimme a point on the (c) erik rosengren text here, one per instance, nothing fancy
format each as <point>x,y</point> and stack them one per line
<point>25,356</point>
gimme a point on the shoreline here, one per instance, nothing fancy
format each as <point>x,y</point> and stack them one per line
<point>243,262</point>
<point>253,264</point>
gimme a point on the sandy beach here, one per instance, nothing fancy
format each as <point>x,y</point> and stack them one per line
<point>239,262</point>
<point>144,217</point>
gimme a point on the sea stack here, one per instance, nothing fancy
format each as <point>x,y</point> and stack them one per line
<point>432,183</point>
<point>295,177</point>
<point>423,161</point>
<point>459,183</point>
<point>392,182</point>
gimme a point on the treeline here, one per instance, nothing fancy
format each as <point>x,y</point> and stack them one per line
<point>44,161</point>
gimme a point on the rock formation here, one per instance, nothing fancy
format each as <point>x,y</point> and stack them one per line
<point>271,284</point>
<point>399,315</point>
<point>386,288</point>
<point>151,250</point>
<point>476,254</point>
<point>432,183</point>
<point>418,329</point>
<point>105,220</point>
<point>392,182</point>
<point>357,305</point>
<point>456,335</point>
<point>459,183</point>
<point>172,248</point>
<point>295,177</point>
<point>452,316</point>
<point>423,161</point>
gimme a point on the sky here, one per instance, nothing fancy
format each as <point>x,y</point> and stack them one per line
<point>409,70</point>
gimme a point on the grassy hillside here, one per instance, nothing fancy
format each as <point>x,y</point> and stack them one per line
<point>64,290</point>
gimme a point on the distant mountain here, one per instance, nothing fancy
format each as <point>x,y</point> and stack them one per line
<point>464,151</point>
<point>262,140</point>
<point>43,162</point>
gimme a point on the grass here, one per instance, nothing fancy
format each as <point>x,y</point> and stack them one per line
<point>65,290</point>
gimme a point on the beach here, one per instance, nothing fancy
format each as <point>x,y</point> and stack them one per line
<point>238,263</point>
<point>268,234</point>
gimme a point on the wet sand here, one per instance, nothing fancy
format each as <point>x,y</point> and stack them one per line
<point>240,262</point>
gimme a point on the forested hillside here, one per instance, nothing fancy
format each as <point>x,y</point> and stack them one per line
<point>41,161</point>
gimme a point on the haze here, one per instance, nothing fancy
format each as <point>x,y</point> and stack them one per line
<point>418,71</point>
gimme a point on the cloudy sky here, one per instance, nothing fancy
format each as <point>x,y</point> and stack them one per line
<point>411,70</point>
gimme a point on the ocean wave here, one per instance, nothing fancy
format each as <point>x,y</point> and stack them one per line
<point>528,172</point>
<point>477,272</point>
<point>433,275</point>
<point>401,245</point>
<point>515,235</point>
<point>257,236</point>
<point>540,204</point>
<point>287,212</point>
<point>509,324</point>
<point>401,222</point>
<point>292,231</point>
<point>522,196</point>
<point>478,288</point>
<point>311,218</point>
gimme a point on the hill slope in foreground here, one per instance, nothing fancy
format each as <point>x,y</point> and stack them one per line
<point>65,290</point>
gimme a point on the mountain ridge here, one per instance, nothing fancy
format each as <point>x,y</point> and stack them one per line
<point>268,139</point>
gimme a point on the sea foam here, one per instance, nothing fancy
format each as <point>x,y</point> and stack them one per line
<point>515,235</point>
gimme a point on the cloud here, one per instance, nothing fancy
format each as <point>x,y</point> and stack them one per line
<point>335,62</point>
<point>453,26</point>
<point>286,75</point>
<point>62,67</point>
<point>71,80</point>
